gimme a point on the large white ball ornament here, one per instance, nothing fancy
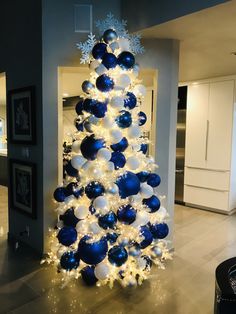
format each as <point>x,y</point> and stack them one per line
<point>123,81</point>
<point>78,161</point>
<point>100,202</point>
<point>87,165</point>
<point>134,131</point>
<point>76,146</point>
<point>139,90</point>
<point>104,154</point>
<point>116,136</point>
<point>95,228</point>
<point>117,102</point>
<point>69,199</point>
<point>142,218</point>
<point>101,69</point>
<point>110,166</point>
<point>81,212</point>
<point>132,162</point>
<point>94,64</point>
<point>124,44</point>
<point>101,271</point>
<point>113,189</point>
<point>82,226</point>
<point>136,198</point>
<point>108,122</point>
<point>162,212</point>
<point>146,190</point>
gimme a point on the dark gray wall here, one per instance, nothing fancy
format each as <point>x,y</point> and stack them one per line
<point>144,14</point>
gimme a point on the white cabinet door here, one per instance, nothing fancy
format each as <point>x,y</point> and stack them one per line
<point>196,125</point>
<point>220,125</point>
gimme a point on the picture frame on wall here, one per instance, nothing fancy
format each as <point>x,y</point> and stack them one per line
<point>22,115</point>
<point>23,187</point>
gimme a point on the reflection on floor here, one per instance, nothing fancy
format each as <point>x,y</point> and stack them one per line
<point>202,241</point>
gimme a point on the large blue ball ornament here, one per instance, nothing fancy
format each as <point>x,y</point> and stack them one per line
<point>109,60</point>
<point>99,50</point>
<point>104,83</point>
<point>88,104</point>
<point>143,148</point>
<point>67,236</point>
<point>118,160</point>
<point>154,180</point>
<point>107,221</point>
<point>159,231</point>
<point>126,214</point>
<point>112,237</point>
<point>99,109</point>
<point>153,203</point>
<point>126,60</point>
<point>94,189</point>
<point>109,36</point>
<point>92,253</point>
<point>120,146</point>
<point>143,175</point>
<point>79,107</point>
<point>128,184</point>
<point>69,260</point>
<point>88,276</point>
<point>69,219</point>
<point>147,237</point>
<point>117,255</point>
<point>90,146</point>
<point>70,170</point>
<point>124,120</point>
<point>130,100</point>
<point>60,194</point>
<point>142,118</point>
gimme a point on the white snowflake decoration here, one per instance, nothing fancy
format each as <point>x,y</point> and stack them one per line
<point>112,22</point>
<point>86,48</point>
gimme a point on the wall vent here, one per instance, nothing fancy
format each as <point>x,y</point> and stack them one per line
<point>83,18</point>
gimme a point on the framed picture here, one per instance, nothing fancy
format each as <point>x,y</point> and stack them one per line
<point>22,111</point>
<point>23,187</point>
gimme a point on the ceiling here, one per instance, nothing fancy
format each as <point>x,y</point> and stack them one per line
<point>207,39</point>
<point>2,90</point>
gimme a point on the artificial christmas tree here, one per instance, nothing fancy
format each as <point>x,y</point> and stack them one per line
<point>111,224</point>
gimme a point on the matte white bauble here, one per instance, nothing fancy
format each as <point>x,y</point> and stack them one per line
<point>162,212</point>
<point>100,202</point>
<point>134,131</point>
<point>124,44</point>
<point>81,212</point>
<point>139,90</point>
<point>82,226</point>
<point>87,165</point>
<point>94,64</point>
<point>116,136</point>
<point>114,46</point>
<point>142,218</point>
<point>136,198</point>
<point>78,161</point>
<point>95,228</point>
<point>76,146</point>
<point>101,271</point>
<point>101,69</point>
<point>113,189</point>
<point>117,102</point>
<point>136,147</point>
<point>104,154</point>
<point>123,81</point>
<point>108,123</point>
<point>132,162</point>
<point>146,190</point>
<point>110,166</point>
<point>69,199</point>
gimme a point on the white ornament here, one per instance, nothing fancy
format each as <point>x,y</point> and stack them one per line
<point>100,202</point>
<point>162,212</point>
<point>113,189</point>
<point>110,166</point>
<point>124,44</point>
<point>94,64</point>
<point>76,146</point>
<point>81,212</point>
<point>69,199</point>
<point>104,154</point>
<point>101,69</point>
<point>78,161</point>
<point>108,123</point>
<point>142,263</point>
<point>101,271</point>
<point>139,90</point>
<point>143,218</point>
<point>136,147</point>
<point>136,198</point>
<point>82,226</point>
<point>134,131</point>
<point>133,162</point>
<point>114,46</point>
<point>116,136</point>
<point>87,165</point>
<point>117,102</point>
<point>95,228</point>
<point>123,81</point>
<point>146,190</point>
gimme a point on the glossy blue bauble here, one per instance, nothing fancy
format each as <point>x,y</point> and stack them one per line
<point>70,170</point>
<point>143,148</point>
<point>67,236</point>
<point>128,184</point>
<point>130,100</point>
<point>112,237</point>
<point>109,36</point>
<point>88,104</point>
<point>90,146</point>
<point>118,160</point>
<point>159,231</point>
<point>143,175</point>
<point>126,60</point>
<point>69,260</point>
<point>104,83</point>
<point>153,203</point>
<point>107,221</point>
<point>78,124</point>
<point>147,235</point>
<point>124,120</point>
<point>109,60</point>
<point>99,109</point>
<point>154,180</point>
<point>120,146</point>
<point>99,50</point>
<point>69,219</point>
<point>60,194</point>
<point>126,214</point>
<point>142,118</point>
<point>117,255</point>
<point>79,107</point>
<point>94,189</point>
<point>92,253</point>
<point>88,276</point>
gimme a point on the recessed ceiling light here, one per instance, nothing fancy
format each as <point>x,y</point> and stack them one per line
<point>65,94</point>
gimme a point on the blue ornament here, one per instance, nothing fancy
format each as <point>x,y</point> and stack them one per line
<point>87,86</point>
<point>107,221</point>
<point>130,100</point>
<point>117,255</point>
<point>104,83</point>
<point>159,231</point>
<point>126,214</point>
<point>79,107</point>
<point>126,60</point>
<point>67,236</point>
<point>99,50</point>
<point>147,235</point>
<point>94,189</point>
<point>112,237</point>
<point>70,170</point>
<point>109,60</point>
<point>88,104</point>
<point>142,118</point>
<point>72,188</point>
<point>88,276</point>
<point>99,109</point>
<point>69,260</point>
<point>143,175</point>
<point>79,125</point>
<point>153,203</point>
<point>128,184</point>
<point>118,160</point>
<point>92,253</point>
<point>90,146</point>
<point>143,148</point>
<point>109,36</point>
<point>120,146</point>
<point>69,219</point>
<point>124,120</point>
<point>60,194</point>
<point>154,180</point>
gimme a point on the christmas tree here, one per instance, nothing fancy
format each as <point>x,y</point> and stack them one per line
<point>111,225</point>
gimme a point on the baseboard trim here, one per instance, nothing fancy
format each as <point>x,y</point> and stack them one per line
<point>214,210</point>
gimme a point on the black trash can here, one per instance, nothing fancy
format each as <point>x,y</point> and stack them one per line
<point>225,287</point>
